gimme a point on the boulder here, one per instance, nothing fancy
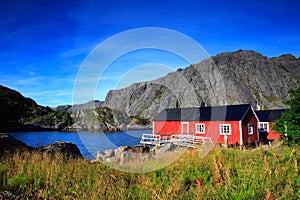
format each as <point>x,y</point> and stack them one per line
<point>138,149</point>
<point>109,153</point>
<point>9,144</point>
<point>124,158</point>
<point>129,154</point>
<point>100,156</point>
<point>67,149</point>
<point>165,148</point>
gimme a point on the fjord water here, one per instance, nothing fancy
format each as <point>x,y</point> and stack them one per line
<point>88,142</point>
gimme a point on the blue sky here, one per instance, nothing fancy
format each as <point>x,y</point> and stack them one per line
<point>43,43</point>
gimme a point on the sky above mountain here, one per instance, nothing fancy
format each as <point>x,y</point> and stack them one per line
<point>44,43</point>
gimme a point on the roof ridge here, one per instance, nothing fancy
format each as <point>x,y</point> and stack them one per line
<point>210,106</point>
<point>212,113</point>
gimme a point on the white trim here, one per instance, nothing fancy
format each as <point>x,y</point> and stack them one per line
<point>220,129</point>
<point>188,128</point>
<point>196,130</point>
<point>250,127</point>
<point>268,125</point>
<point>241,132</point>
<point>253,113</point>
<point>153,127</point>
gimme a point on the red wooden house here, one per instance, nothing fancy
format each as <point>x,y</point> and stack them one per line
<point>236,123</point>
<point>266,121</point>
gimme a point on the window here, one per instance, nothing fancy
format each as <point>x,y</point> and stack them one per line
<point>225,129</point>
<point>263,126</point>
<point>200,128</point>
<point>250,129</point>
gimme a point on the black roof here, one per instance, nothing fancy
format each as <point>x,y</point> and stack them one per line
<point>269,115</point>
<point>214,113</point>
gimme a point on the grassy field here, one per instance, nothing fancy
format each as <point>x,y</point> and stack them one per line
<point>223,174</point>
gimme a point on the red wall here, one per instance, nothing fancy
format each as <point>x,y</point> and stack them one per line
<point>212,129</point>
<point>272,135</point>
<point>249,119</point>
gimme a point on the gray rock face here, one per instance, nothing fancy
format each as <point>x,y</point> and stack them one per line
<point>101,118</point>
<point>228,78</point>
<point>106,119</point>
<point>93,104</point>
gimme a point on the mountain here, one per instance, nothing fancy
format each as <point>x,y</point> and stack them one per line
<point>21,113</point>
<point>237,77</point>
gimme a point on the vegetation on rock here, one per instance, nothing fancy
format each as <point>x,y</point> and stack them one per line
<point>140,120</point>
<point>18,111</point>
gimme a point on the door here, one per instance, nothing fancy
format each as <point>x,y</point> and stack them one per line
<point>184,127</point>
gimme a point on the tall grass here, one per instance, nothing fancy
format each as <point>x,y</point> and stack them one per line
<point>223,174</point>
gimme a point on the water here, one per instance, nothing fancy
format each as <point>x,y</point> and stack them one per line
<point>88,142</point>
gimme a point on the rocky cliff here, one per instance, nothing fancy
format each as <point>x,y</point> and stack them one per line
<point>227,78</point>
<point>105,119</point>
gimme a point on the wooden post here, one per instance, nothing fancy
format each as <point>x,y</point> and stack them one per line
<point>226,140</point>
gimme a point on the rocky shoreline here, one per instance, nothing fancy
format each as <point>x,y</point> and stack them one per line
<point>121,155</point>
<point>10,145</point>
<point>126,154</point>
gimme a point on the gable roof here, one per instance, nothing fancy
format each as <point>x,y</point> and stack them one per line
<point>269,115</point>
<point>214,113</point>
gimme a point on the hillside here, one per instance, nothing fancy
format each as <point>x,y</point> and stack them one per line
<point>15,109</point>
<point>228,78</point>
<point>21,113</point>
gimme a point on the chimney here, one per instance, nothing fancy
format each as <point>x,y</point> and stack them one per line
<point>256,106</point>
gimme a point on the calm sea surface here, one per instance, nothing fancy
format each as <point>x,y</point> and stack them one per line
<point>88,142</point>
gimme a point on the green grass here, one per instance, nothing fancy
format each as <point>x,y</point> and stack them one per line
<point>223,174</point>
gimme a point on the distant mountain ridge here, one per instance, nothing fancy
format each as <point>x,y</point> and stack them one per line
<point>247,76</point>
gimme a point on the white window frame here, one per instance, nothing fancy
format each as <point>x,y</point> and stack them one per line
<point>203,128</point>
<point>222,129</point>
<point>263,124</point>
<point>250,129</point>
